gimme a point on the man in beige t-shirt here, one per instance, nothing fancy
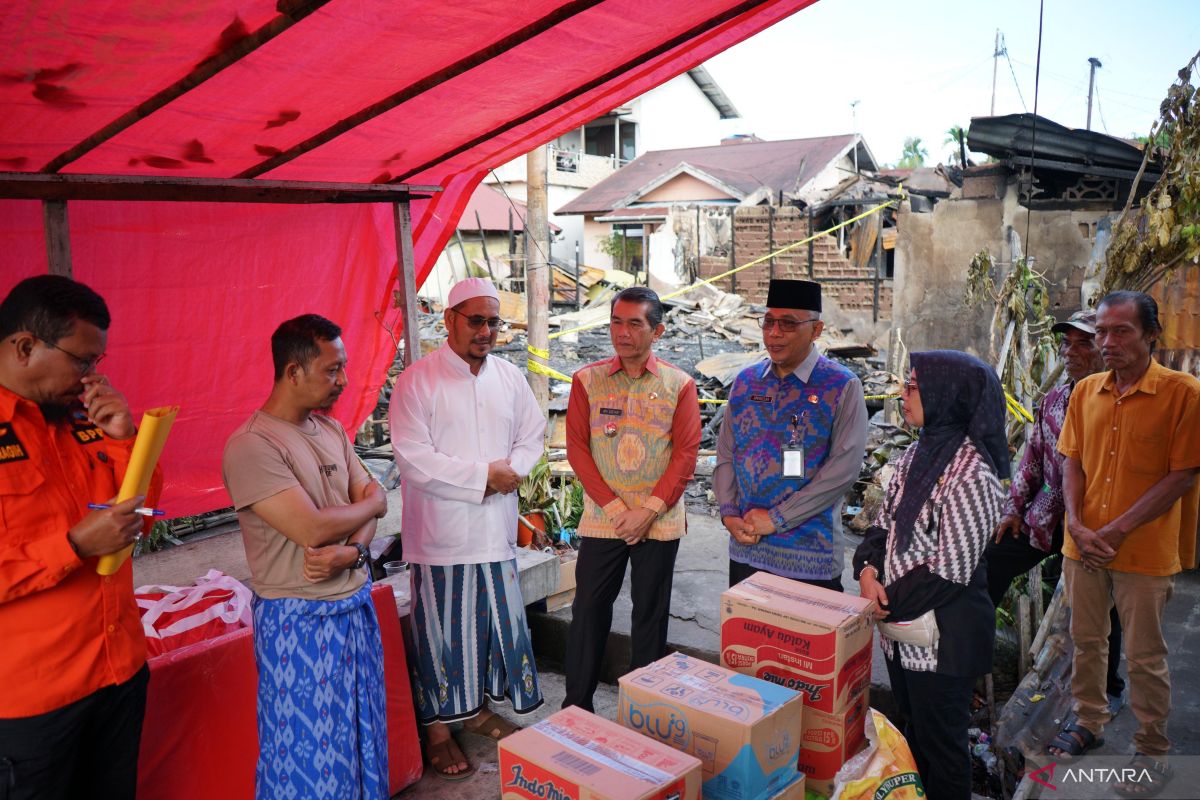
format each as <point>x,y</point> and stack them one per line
<point>308,510</point>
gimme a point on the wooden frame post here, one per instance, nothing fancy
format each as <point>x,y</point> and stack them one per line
<point>407,281</point>
<point>58,237</point>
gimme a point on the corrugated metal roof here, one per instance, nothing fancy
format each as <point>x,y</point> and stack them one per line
<point>1013,135</point>
<point>705,83</point>
<point>493,208</point>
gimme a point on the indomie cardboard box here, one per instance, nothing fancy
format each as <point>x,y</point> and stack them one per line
<point>828,742</point>
<point>744,730</point>
<point>574,755</point>
<point>799,636</point>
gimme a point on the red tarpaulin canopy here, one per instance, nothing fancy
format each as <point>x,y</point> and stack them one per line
<point>426,93</point>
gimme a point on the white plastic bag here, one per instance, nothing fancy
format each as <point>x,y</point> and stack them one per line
<point>174,616</point>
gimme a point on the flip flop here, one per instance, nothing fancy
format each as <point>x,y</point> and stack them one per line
<point>1073,740</point>
<point>1158,772</point>
<point>493,726</point>
<point>441,757</point>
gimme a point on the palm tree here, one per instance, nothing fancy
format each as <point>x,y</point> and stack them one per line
<point>913,155</point>
<point>952,136</point>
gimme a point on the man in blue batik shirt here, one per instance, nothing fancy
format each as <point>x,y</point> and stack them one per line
<point>790,446</point>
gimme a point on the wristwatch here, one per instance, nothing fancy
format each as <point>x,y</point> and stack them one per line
<point>363,555</point>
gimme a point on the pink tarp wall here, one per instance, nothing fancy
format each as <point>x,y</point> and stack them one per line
<point>195,289</point>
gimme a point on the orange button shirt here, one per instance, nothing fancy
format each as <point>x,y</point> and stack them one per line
<point>1127,443</point>
<point>66,631</point>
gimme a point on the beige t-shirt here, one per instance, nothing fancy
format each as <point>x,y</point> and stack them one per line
<point>268,455</point>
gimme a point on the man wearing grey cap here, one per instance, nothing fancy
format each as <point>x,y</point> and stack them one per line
<point>1031,529</point>
<point>790,446</point>
<point>465,430</point>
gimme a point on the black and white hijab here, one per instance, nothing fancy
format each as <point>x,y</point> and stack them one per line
<point>962,398</point>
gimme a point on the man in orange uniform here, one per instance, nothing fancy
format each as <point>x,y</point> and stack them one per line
<point>73,668</point>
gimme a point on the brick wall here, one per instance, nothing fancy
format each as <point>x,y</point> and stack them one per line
<point>752,240</point>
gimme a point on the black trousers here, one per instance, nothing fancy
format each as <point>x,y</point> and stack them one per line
<point>86,749</point>
<point>599,574</point>
<point>1016,556</point>
<point>937,711</point>
<point>738,572</point>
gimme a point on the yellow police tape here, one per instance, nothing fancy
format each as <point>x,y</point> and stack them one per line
<point>1015,408</point>
<point>542,369</point>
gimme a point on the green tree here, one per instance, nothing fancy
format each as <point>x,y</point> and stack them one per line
<point>952,134</point>
<point>913,155</point>
<point>626,251</point>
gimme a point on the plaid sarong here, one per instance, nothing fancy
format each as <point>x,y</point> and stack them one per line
<point>322,718</point>
<point>470,637</point>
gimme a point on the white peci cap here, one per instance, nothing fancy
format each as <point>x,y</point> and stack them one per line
<point>469,288</point>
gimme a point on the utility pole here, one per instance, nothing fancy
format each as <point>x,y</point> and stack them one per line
<point>1095,62</point>
<point>537,285</point>
<point>854,125</point>
<point>996,53</point>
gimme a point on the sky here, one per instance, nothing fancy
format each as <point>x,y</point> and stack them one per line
<point>920,66</point>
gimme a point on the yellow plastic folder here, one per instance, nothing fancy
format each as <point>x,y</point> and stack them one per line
<point>152,435</point>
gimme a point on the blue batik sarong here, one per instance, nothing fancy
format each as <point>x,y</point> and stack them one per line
<point>470,638</point>
<point>322,717</point>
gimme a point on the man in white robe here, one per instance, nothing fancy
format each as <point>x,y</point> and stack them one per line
<point>465,429</point>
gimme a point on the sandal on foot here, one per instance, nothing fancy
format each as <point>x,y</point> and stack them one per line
<point>1073,740</point>
<point>493,726</point>
<point>1149,777</point>
<point>442,757</point>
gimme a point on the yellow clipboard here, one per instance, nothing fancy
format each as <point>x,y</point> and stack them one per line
<point>152,435</point>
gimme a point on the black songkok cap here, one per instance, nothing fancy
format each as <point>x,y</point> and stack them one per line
<point>803,295</point>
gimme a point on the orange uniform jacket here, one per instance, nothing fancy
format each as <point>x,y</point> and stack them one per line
<point>65,631</point>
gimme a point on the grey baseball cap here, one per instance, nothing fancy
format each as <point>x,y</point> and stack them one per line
<point>1081,320</point>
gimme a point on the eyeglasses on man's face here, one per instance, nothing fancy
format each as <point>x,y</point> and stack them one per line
<point>475,321</point>
<point>84,365</point>
<point>785,324</point>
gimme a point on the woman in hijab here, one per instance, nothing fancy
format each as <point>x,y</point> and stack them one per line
<point>922,560</point>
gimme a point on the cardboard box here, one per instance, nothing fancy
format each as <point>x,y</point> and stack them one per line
<point>794,790</point>
<point>565,595</point>
<point>574,755</point>
<point>745,731</point>
<point>828,742</point>
<point>799,636</point>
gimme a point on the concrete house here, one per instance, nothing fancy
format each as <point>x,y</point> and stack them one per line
<point>663,198</point>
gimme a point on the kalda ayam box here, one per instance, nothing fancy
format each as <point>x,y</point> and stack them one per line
<point>745,731</point>
<point>799,636</point>
<point>828,742</point>
<point>575,755</point>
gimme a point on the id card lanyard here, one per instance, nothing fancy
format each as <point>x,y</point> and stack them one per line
<point>793,452</point>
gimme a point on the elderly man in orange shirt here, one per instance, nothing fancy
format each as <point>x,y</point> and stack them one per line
<point>1131,440</point>
<point>73,669</point>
